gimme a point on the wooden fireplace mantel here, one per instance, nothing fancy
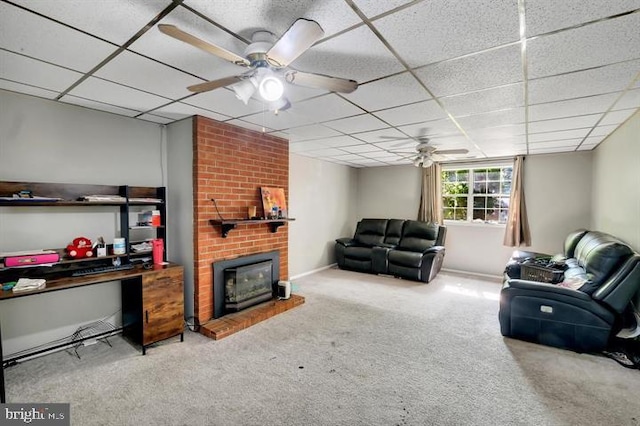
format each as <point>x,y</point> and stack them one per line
<point>228,225</point>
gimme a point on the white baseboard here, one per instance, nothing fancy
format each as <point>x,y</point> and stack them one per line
<point>474,274</point>
<point>304,274</point>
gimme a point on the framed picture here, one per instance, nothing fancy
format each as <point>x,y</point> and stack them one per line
<point>273,202</point>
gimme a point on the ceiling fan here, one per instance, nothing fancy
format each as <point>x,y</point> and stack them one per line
<point>267,61</point>
<point>424,154</point>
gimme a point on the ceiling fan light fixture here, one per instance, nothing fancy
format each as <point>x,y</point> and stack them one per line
<point>271,88</point>
<point>245,89</point>
<point>426,162</point>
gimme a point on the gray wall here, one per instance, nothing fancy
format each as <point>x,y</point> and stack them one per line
<point>616,188</point>
<point>45,141</point>
<point>322,200</point>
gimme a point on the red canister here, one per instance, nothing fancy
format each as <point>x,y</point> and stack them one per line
<point>158,251</point>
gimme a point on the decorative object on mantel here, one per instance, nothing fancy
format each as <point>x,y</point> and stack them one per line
<point>252,212</point>
<point>273,203</point>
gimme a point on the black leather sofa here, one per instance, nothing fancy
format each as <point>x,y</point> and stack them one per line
<point>583,311</point>
<point>408,249</point>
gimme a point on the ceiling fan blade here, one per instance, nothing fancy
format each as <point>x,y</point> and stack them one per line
<point>177,33</point>
<point>451,151</point>
<point>320,81</point>
<point>294,42</point>
<point>215,84</point>
<point>403,143</point>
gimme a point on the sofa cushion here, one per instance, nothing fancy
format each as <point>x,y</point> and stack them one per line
<point>355,252</point>
<point>600,254</point>
<point>418,236</point>
<point>405,258</point>
<point>370,232</point>
<point>394,231</point>
<point>572,241</point>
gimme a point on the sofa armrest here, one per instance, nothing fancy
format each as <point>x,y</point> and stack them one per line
<point>433,249</point>
<point>550,289</point>
<point>347,242</point>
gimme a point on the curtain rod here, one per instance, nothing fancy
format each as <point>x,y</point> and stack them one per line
<point>481,160</point>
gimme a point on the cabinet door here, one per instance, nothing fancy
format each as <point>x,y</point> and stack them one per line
<point>163,304</point>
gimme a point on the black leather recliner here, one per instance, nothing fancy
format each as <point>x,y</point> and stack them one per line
<point>581,319</point>
<point>403,248</point>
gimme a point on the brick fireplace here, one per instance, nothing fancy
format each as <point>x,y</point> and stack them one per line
<point>230,165</point>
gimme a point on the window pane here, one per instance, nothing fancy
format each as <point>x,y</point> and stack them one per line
<point>492,215</point>
<point>506,188</point>
<point>448,188</point>
<point>506,173</point>
<point>503,216</point>
<point>479,175</point>
<point>504,203</point>
<point>493,174</point>
<point>478,214</point>
<point>479,203</point>
<point>463,175</point>
<point>493,187</point>
<point>479,188</point>
<point>493,202</point>
<point>461,201</point>
<point>448,201</point>
<point>461,214</point>
<point>447,213</point>
<point>449,176</point>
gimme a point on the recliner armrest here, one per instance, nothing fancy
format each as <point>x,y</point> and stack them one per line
<point>545,288</point>
<point>433,249</point>
<point>347,242</point>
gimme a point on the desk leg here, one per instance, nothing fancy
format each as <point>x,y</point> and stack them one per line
<point>3,398</point>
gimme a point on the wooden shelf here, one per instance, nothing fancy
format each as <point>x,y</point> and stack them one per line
<point>228,225</point>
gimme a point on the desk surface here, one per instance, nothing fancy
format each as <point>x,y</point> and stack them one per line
<point>71,282</point>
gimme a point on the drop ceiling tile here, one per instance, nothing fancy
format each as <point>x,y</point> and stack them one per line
<point>276,16</point>
<point>548,150</point>
<point>339,141</point>
<point>181,55</point>
<point>103,91</point>
<point>325,152</point>
<point>325,108</point>
<point>347,157</point>
<point>284,119</point>
<point>431,128</point>
<point>40,38</point>
<point>299,147</point>
<point>314,131</point>
<point>497,133</point>
<point>388,92</point>
<point>586,147</point>
<point>382,156</point>
<point>612,78</point>
<point>224,101</point>
<point>141,73</point>
<point>100,106</point>
<point>616,117</point>
<point>435,30</point>
<point>124,20</point>
<point>631,99</point>
<point>26,89</point>
<point>493,119</point>
<point>554,136</point>
<point>413,113</point>
<point>493,68</point>
<point>21,69</point>
<point>397,145</point>
<point>359,123</point>
<point>357,55</point>
<point>603,130</point>
<point>369,162</point>
<point>250,126</point>
<point>594,45</point>
<point>593,140</point>
<point>564,143</point>
<point>178,111</point>
<point>155,119</point>
<point>298,93</point>
<point>572,107</point>
<point>487,143</point>
<point>359,149</point>
<point>381,135</point>
<point>499,98</point>
<point>373,8</point>
<point>549,15</point>
<point>564,123</point>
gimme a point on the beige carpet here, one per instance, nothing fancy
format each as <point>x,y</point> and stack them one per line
<point>362,350</point>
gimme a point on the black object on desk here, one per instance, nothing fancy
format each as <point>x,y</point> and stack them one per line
<point>100,270</point>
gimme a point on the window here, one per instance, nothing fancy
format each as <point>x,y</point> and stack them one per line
<point>477,194</point>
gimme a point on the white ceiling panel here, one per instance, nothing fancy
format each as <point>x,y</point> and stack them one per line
<point>276,16</point>
<point>612,78</point>
<point>326,152</point>
<point>338,141</point>
<point>125,18</point>
<point>251,126</point>
<point>360,123</point>
<point>486,143</point>
<point>381,135</point>
<point>616,117</point>
<point>21,69</point>
<point>563,143</point>
<point>103,91</point>
<point>326,108</point>
<point>549,15</point>
<point>452,28</point>
<point>564,123</point>
<point>631,99</point>
<point>498,133</point>
<point>100,106</point>
<point>389,92</point>
<point>373,8</point>
<point>357,55</point>
<point>298,93</point>
<point>26,89</point>
<point>360,149</point>
<point>431,128</point>
<point>493,119</point>
<point>283,120</point>
<point>585,47</point>
<point>556,136</point>
<point>299,147</point>
<point>156,119</point>
<point>498,98</point>
<point>134,70</point>
<point>551,150</point>
<point>414,113</point>
<point>348,157</point>
<point>493,68</point>
<point>40,38</point>
<point>572,107</point>
<point>314,131</point>
<point>603,130</point>
<point>178,111</point>
<point>225,102</point>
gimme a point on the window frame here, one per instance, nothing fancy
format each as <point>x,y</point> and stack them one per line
<point>470,167</point>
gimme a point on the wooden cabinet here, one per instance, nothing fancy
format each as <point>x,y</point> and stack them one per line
<point>154,310</point>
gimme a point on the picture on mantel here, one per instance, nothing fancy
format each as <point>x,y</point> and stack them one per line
<point>273,202</point>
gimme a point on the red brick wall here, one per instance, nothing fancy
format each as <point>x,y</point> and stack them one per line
<point>231,164</point>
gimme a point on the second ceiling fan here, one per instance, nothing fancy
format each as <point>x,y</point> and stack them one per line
<point>267,61</point>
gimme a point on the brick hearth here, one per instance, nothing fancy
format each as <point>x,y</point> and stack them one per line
<point>237,321</point>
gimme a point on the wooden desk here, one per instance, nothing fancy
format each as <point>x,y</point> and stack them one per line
<point>152,303</point>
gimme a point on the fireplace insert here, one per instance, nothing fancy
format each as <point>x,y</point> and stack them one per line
<point>247,285</point>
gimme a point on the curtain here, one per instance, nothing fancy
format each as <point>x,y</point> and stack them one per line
<point>431,195</point>
<point>517,231</point>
